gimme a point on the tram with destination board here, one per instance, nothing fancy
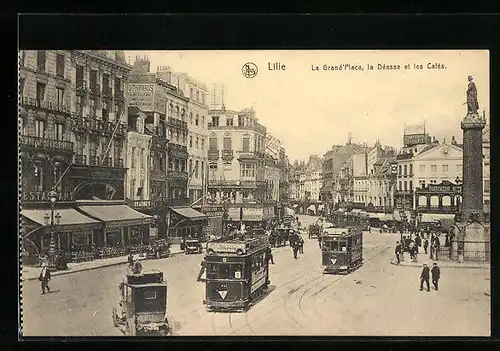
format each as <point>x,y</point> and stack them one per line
<point>237,272</point>
<point>342,249</point>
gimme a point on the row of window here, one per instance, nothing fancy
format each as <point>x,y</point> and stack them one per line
<point>247,170</point>
<point>408,169</point>
<point>227,144</point>
<point>198,142</point>
<point>196,95</point>
<point>243,121</point>
<point>41,61</point>
<point>376,201</point>
<point>41,129</point>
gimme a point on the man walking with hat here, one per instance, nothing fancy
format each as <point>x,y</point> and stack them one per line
<point>44,277</point>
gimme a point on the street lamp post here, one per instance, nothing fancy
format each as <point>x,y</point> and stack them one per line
<point>225,216</point>
<point>52,220</point>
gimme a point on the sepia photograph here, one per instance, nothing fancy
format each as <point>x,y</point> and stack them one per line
<point>254,193</point>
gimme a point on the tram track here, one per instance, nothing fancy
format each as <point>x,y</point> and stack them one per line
<point>329,281</point>
<point>321,316</point>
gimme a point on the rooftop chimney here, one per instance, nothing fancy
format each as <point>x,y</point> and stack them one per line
<point>142,64</point>
<point>164,73</point>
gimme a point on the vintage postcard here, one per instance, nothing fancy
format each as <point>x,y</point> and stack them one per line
<point>254,193</point>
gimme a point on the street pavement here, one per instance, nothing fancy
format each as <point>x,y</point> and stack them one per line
<point>377,299</point>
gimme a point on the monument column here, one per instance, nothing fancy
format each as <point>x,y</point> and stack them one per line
<point>472,184</point>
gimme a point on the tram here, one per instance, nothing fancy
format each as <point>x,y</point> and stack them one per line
<point>237,272</point>
<point>342,249</point>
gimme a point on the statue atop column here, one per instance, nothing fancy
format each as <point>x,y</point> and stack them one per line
<point>472,104</point>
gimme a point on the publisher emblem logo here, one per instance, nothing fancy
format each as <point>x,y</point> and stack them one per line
<point>249,70</point>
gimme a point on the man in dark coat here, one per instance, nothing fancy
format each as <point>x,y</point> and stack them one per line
<point>295,250</point>
<point>300,242</point>
<point>397,251</point>
<point>44,278</point>
<point>269,255</point>
<point>436,274</point>
<point>426,245</point>
<point>424,277</point>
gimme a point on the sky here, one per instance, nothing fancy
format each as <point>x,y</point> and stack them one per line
<point>312,110</point>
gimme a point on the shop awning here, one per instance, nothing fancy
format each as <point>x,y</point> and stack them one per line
<point>116,215</point>
<point>70,219</point>
<point>312,208</point>
<point>189,213</point>
<point>389,217</point>
<point>380,216</point>
<point>431,217</point>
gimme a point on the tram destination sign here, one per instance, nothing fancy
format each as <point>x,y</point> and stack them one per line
<point>226,247</point>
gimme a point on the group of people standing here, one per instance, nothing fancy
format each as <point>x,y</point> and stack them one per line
<point>412,246</point>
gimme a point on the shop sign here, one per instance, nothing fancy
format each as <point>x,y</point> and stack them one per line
<point>414,139</point>
<point>213,210</point>
<point>142,96</point>
<point>446,189</point>
<point>44,196</point>
<point>252,214</point>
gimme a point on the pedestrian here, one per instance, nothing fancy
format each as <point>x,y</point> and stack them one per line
<point>424,277</point>
<point>269,256</point>
<point>436,274</point>
<point>397,251</point>
<point>301,245</point>
<point>44,278</point>
<point>137,268</point>
<point>426,245</point>
<point>447,240</point>
<point>415,253</point>
<point>203,265</point>
<point>436,247</point>
<point>295,250</point>
<point>319,240</point>
<point>418,240</point>
<point>130,259</point>
<point>411,250</point>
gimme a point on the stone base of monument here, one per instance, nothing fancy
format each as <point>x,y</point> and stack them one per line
<point>471,242</point>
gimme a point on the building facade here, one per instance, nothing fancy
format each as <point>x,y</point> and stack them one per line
<point>236,156</point>
<point>197,134</point>
<point>73,126</point>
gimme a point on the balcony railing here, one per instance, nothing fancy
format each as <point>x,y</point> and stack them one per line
<point>106,161</point>
<point>46,105</point>
<point>106,91</point>
<point>222,183</point>
<point>403,192</point>
<point>94,160</point>
<point>119,95</point>
<point>81,86</point>
<point>80,159</point>
<point>177,147</point>
<point>227,155</point>
<point>46,144</point>
<point>95,89</point>
<point>177,174</point>
<point>213,155</point>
